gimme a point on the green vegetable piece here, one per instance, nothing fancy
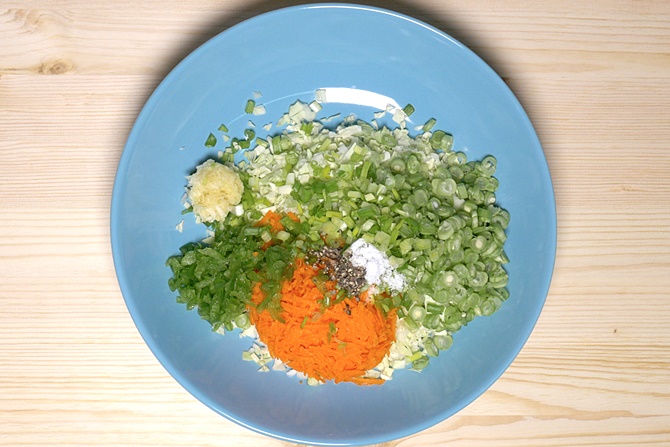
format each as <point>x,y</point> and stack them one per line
<point>430,348</point>
<point>443,342</point>
<point>488,166</point>
<point>429,125</point>
<point>444,187</point>
<point>249,108</point>
<point>397,165</point>
<point>420,364</point>
<point>417,313</point>
<point>211,141</point>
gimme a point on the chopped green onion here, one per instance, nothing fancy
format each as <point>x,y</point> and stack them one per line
<point>444,187</point>
<point>420,198</point>
<point>502,219</point>
<point>249,108</point>
<point>431,348</point>
<point>447,279</point>
<point>422,244</point>
<point>365,169</point>
<point>420,364</point>
<point>443,342</point>
<point>397,165</point>
<point>367,212</point>
<point>429,125</point>
<point>479,243</point>
<point>417,313</point>
<point>211,141</point>
<point>488,165</point>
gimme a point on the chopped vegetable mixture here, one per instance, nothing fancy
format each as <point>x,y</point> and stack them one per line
<point>278,264</point>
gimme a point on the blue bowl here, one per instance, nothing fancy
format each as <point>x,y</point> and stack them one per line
<point>363,57</point>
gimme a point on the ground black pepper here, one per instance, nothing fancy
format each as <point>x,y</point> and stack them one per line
<point>339,268</point>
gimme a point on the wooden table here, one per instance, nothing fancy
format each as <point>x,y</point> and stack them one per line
<point>594,76</point>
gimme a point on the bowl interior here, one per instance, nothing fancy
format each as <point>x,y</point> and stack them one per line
<point>286,55</point>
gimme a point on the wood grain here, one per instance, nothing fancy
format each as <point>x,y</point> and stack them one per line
<point>594,78</point>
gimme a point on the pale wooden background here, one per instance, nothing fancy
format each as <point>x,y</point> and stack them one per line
<point>594,77</point>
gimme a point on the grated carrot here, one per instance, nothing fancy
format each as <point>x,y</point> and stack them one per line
<point>273,220</point>
<point>339,343</point>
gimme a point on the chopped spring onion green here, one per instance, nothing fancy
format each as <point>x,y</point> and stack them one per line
<point>429,125</point>
<point>249,108</point>
<point>408,109</point>
<point>417,313</point>
<point>211,141</point>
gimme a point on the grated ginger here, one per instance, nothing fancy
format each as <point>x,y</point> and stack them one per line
<point>213,190</point>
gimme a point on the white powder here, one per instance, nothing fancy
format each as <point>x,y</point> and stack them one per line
<point>378,269</point>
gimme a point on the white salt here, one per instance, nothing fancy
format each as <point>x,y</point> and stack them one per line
<point>378,268</point>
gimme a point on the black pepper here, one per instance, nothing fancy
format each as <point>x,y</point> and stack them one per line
<point>338,267</point>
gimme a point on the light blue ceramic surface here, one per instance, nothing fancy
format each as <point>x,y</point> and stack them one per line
<point>287,55</point>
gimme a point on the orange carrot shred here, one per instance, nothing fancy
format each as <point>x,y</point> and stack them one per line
<point>338,343</point>
<point>271,219</point>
